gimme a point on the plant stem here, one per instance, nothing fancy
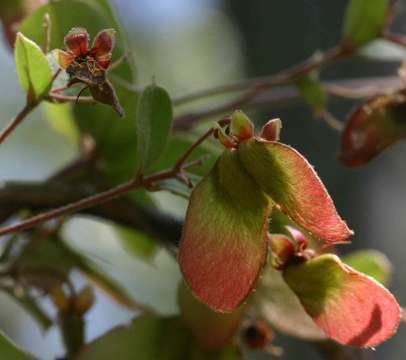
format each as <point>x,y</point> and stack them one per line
<point>73,332</point>
<point>255,86</point>
<point>330,120</point>
<point>351,89</point>
<point>284,77</point>
<point>16,121</point>
<point>94,200</point>
<point>113,193</point>
<point>47,30</point>
<point>179,164</point>
<point>67,98</point>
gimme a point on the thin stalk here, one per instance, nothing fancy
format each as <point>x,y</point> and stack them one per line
<point>5,133</point>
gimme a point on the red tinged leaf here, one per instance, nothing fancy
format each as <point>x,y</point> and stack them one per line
<point>223,243</point>
<point>286,176</point>
<point>350,307</point>
<point>103,43</point>
<point>373,127</point>
<point>77,41</point>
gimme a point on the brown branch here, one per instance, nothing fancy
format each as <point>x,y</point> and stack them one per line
<point>278,95</point>
<point>284,77</point>
<point>95,199</point>
<point>47,32</point>
<point>16,121</point>
<point>176,172</point>
<point>16,196</point>
<point>67,98</point>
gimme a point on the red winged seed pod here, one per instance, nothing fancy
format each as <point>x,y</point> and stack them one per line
<point>88,65</point>
<point>77,46</point>
<point>223,245</point>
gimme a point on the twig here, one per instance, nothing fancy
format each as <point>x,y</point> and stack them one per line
<point>118,62</point>
<point>43,196</point>
<point>93,200</point>
<point>67,98</point>
<point>255,86</point>
<point>284,77</point>
<point>111,194</point>
<point>180,163</point>
<point>71,208</point>
<point>47,30</point>
<point>351,89</point>
<point>330,120</point>
<point>16,121</point>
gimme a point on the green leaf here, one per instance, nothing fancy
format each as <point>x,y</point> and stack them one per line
<point>30,305</point>
<point>364,20</point>
<point>8,350</point>
<point>137,243</point>
<point>150,337</point>
<point>223,244</point>
<point>109,286</point>
<point>116,138</point>
<point>101,279</point>
<point>372,263</point>
<point>44,263</point>
<point>60,118</point>
<point>312,91</point>
<point>154,122</point>
<point>33,69</point>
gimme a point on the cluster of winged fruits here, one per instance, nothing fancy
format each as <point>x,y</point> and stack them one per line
<point>226,235</point>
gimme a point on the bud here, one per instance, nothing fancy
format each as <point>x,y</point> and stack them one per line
<point>84,300</point>
<point>282,250</point>
<point>270,131</point>
<point>257,335</point>
<point>300,240</point>
<point>60,300</point>
<point>224,139</point>
<point>241,126</point>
